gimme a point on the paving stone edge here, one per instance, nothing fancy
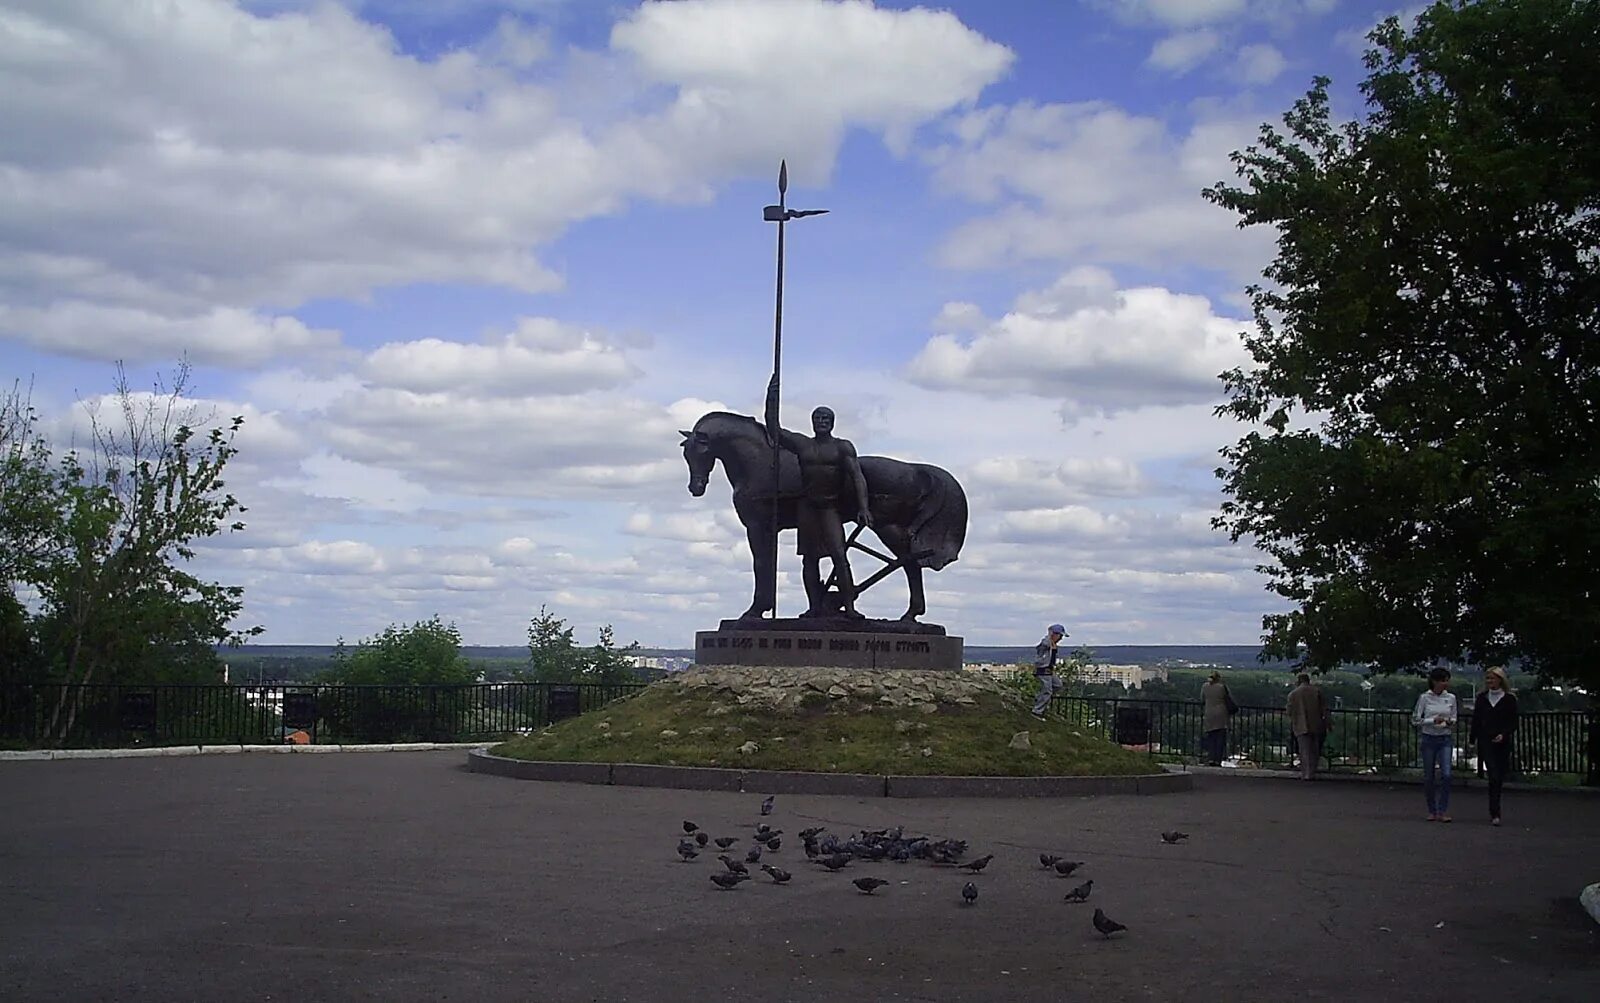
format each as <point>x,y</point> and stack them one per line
<point>157,752</point>
<point>797,782</point>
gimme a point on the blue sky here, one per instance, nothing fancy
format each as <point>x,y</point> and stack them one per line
<point>466,266</point>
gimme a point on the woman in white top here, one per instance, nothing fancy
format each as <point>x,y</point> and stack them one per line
<point>1435,714</point>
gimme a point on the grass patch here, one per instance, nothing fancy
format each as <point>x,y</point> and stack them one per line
<point>670,726</point>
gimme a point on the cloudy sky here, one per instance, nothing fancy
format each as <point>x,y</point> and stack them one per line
<point>465,267</point>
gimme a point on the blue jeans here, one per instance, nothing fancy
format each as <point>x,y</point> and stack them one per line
<point>1048,686</point>
<point>1436,756</point>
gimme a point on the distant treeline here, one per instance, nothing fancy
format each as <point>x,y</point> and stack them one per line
<point>301,663</point>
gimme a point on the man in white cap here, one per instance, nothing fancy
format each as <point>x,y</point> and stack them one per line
<point>1044,667</point>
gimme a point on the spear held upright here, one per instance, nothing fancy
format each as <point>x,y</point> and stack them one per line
<point>779,214</point>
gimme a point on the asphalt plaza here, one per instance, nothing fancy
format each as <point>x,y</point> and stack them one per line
<point>401,876</point>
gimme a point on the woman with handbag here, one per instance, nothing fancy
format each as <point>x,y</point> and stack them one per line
<point>1219,706</point>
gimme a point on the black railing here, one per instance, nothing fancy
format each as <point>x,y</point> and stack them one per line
<point>1361,739</point>
<point>58,715</point>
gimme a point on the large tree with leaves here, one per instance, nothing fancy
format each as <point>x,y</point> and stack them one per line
<point>1426,388</point>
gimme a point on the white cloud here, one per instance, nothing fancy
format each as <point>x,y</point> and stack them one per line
<point>1019,482</point>
<point>1091,182</point>
<point>1192,13</point>
<point>1092,346</point>
<point>1182,52</point>
<point>683,526</point>
<point>225,336</point>
<point>541,356</point>
<point>190,157</point>
<point>535,447</point>
<point>1259,64</point>
<point>1059,524</point>
<point>362,485</point>
<point>825,64</point>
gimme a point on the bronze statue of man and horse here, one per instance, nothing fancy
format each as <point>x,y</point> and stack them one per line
<point>917,510</point>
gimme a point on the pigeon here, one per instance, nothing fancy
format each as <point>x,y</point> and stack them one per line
<point>701,838</point>
<point>834,861</point>
<point>766,806</point>
<point>869,885</point>
<point>778,874</point>
<point>774,843</point>
<point>969,893</point>
<point>689,826</point>
<point>977,865</point>
<point>729,881</point>
<point>811,833</point>
<point>763,830</point>
<point>754,856</point>
<point>811,850</point>
<point>726,841</point>
<point>688,851</point>
<point>1174,837</point>
<point>1081,893</point>
<point>1106,925</point>
<point>734,866</point>
<point>1048,860</point>
<point>1065,867</point>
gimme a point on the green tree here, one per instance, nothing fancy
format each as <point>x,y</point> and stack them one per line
<point>555,657</point>
<point>427,652</point>
<point>606,663</point>
<point>99,538</point>
<point>1425,470</point>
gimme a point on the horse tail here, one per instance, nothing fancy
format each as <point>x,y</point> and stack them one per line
<point>939,527</point>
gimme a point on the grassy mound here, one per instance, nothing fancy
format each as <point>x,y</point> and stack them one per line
<point>671,724</point>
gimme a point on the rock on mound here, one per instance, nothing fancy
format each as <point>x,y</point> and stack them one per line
<point>791,691</point>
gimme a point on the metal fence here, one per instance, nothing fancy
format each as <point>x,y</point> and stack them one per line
<point>1566,742</point>
<point>56,715</point>
<point>109,716</point>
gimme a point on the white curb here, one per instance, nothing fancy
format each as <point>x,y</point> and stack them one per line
<point>37,755</point>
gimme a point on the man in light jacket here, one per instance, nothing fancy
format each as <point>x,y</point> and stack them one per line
<point>1309,722</point>
<point>1044,667</point>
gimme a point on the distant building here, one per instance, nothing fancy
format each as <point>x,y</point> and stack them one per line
<point>992,668</point>
<point>1131,677</point>
<point>661,663</point>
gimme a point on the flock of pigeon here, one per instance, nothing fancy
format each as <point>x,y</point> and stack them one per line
<point>825,849</point>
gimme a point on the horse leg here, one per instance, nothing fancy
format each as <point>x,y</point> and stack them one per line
<point>919,603</point>
<point>899,543</point>
<point>760,540</point>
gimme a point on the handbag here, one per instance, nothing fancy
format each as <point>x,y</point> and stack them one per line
<point>1227,698</point>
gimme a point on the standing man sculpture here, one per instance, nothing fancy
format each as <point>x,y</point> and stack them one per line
<point>828,468</point>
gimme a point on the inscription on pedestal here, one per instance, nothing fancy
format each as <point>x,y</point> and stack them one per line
<point>857,650</point>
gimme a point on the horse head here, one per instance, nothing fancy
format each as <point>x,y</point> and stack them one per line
<point>697,454</point>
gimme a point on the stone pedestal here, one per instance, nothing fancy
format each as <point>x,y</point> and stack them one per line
<point>843,644</point>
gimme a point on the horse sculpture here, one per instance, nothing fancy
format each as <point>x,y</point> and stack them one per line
<point>919,511</point>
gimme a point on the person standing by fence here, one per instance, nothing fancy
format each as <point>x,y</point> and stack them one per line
<point>1219,706</point>
<point>1435,714</point>
<point>1044,668</point>
<point>1494,721</point>
<point>1309,722</point>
